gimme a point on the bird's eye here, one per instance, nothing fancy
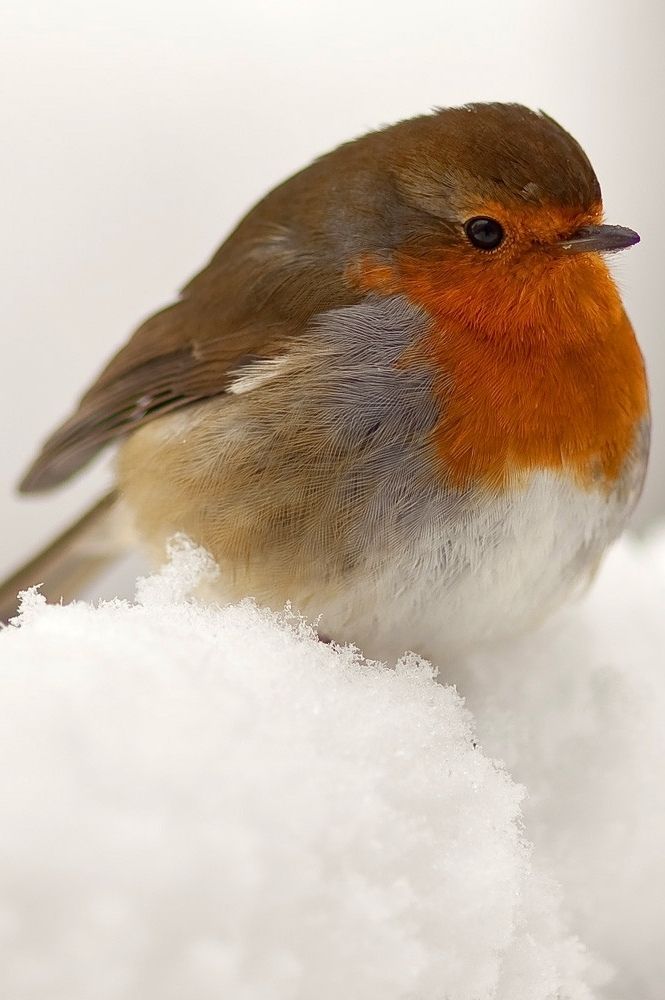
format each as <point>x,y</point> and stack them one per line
<point>486,234</point>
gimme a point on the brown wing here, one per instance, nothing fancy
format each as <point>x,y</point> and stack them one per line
<point>283,264</point>
<point>251,299</point>
<point>141,383</point>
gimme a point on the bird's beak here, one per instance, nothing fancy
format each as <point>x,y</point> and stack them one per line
<point>606,239</point>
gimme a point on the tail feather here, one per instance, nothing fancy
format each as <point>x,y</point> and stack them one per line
<point>68,563</point>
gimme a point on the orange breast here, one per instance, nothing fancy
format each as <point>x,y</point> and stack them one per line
<point>539,367</point>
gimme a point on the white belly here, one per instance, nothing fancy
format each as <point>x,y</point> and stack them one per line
<point>503,570</point>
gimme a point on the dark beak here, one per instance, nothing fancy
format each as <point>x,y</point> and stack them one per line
<point>605,239</point>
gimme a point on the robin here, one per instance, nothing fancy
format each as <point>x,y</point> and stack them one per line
<point>403,395</point>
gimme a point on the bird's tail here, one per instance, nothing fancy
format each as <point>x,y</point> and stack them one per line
<point>69,562</point>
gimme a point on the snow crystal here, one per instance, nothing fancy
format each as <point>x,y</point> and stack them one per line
<point>202,802</point>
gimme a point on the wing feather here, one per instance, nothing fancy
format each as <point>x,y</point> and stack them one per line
<point>181,355</point>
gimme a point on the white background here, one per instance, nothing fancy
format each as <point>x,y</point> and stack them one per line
<point>134,134</point>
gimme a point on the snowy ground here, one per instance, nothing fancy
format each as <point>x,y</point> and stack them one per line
<point>209,803</point>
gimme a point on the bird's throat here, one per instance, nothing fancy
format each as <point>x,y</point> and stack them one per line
<point>537,370</point>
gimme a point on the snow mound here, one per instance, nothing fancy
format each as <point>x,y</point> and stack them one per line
<point>202,802</point>
<point>577,713</point>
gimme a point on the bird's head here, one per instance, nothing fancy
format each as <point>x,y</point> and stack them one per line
<point>497,225</point>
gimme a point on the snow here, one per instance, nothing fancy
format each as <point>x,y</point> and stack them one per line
<point>201,802</point>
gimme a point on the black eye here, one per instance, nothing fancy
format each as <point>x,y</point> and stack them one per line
<point>486,234</point>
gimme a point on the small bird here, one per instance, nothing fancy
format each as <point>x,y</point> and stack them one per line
<point>404,394</point>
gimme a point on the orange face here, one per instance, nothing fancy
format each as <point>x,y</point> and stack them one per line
<point>539,365</point>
